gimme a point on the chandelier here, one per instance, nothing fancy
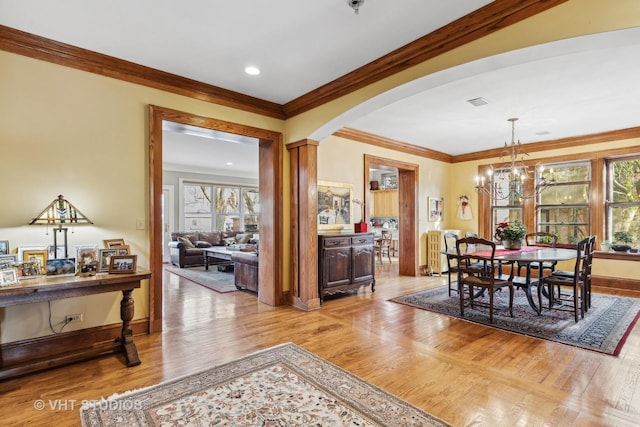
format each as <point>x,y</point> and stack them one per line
<point>507,181</point>
<point>355,4</point>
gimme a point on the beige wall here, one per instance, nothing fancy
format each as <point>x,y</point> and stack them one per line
<point>64,131</point>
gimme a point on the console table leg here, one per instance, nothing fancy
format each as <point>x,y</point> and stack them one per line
<point>126,338</point>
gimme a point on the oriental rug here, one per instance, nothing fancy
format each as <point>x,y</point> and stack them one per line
<point>280,386</point>
<point>604,329</point>
<point>219,281</point>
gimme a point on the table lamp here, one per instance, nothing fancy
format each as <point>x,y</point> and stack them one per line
<point>60,212</point>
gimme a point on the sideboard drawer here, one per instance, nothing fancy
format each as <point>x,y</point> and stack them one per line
<point>335,242</point>
<point>362,240</point>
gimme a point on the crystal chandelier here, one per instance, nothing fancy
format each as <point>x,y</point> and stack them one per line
<point>507,181</point>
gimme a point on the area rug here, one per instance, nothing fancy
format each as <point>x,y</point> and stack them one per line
<point>281,386</point>
<point>219,281</point>
<point>604,329</point>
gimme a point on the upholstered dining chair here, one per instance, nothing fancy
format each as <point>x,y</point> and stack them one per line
<point>487,278</point>
<point>576,281</point>
<point>539,238</point>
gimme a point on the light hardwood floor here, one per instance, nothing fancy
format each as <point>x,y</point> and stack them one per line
<point>465,374</point>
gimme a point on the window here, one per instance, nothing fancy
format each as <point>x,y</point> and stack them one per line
<point>503,209</point>
<point>623,201</point>
<point>208,207</point>
<point>563,208</point>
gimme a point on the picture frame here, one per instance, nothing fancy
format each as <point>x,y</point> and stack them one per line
<point>23,249</point>
<point>28,269</point>
<point>87,253</point>
<point>389,180</point>
<point>123,250</point>
<point>8,276</point>
<point>85,269</point>
<point>55,251</point>
<point>4,247</point>
<point>8,260</point>
<point>435,206</point>
<point>40,257</point>
<point>105,258</point>
<point>110,243</point>
<point>61,267</point>
<point>335,205</point>
<point>123,264</point>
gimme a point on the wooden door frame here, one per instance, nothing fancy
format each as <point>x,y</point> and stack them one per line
<point>270,222</point>
<point>408,237</point>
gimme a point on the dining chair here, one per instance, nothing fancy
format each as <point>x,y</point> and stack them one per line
<point>576,282</point>
<point>452,261</point>
<point>487,278</point>
<point>539,238</point>
<point>383,246</point>
<point>591,245</point>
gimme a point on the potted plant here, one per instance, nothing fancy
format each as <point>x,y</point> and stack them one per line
<point>510,234</point>
<point>622,239</point>
<point>606,245</point>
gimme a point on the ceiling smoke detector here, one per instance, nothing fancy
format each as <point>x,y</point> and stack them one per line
<point>355,5</point>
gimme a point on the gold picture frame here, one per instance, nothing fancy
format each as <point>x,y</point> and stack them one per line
<point>335,205</point>
<point>110,243</point>
<point>39,257</point>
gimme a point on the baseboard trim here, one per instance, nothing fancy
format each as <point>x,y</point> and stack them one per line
<point>615,283</point>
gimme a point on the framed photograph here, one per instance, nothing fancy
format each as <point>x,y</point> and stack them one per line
<point>39,257</point>
<point>110,243</point>
<point>335,206</point>
<point>87,253</point>
<point>123,250</point>
<point>123,264</point>
<point>22,249</point>
<point>87,268</point>
<point>61,267</point>
<point>55,251</point>
<point>105,258</point>
<point>436,209</point>
<point>28,269</point>
<point>8,260</point>
<point>4,247</point>
<point>8,276</point>
<point>389,180</point>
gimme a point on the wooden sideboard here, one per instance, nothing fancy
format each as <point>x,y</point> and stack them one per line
<point>345,261</point>
<point>54,288</point>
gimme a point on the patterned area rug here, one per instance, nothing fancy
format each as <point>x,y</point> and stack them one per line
<point>219,281</point>
<point>604,329</point>
<point>281,386</point>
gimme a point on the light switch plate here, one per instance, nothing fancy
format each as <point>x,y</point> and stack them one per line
<point>140,224</point>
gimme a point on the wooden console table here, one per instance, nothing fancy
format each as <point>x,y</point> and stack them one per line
<point>54,288</point>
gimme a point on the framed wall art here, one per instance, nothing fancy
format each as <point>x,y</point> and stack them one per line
<point>335,206</point>
<point>123,264</point>
<point>436,209</point>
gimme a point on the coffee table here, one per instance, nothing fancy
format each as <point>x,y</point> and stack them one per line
<point>217,255</point>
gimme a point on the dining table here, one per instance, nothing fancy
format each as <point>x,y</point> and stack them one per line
<point>525,256</point>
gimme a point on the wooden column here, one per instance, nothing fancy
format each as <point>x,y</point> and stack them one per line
<point>304,229</point>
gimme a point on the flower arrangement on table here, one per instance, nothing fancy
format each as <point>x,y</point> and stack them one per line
<point>510,231</point>
<point>361,204</point>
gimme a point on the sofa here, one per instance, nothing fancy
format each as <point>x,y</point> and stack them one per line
<point>245,270</point>
<point>186,247</point>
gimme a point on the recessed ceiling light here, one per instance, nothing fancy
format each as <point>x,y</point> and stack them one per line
<point>252,71</point>
<point>229,163</point>
<point>477,102</point>
<point>544,132</point>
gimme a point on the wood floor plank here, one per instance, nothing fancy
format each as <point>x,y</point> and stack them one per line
<point>464,373</point>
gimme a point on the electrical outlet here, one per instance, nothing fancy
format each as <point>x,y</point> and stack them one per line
<point>71,318</point>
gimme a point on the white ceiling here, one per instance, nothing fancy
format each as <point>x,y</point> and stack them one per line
<point>567,88</point>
